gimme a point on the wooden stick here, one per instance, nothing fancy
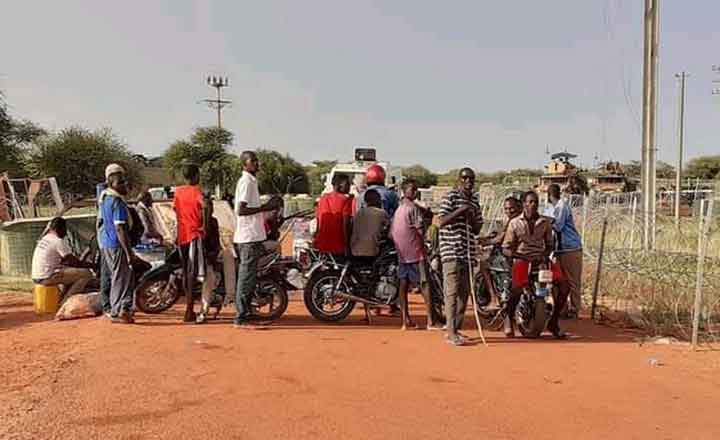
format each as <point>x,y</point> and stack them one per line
<point>472,286</point>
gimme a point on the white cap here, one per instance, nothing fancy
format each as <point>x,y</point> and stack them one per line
<point>112,169</point>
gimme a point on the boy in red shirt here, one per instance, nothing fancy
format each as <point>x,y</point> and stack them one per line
<point>333,214</point>
<point>189,206</point>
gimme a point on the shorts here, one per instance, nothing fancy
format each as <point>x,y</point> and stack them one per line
<point>521,269</point>
<point>414,273</point>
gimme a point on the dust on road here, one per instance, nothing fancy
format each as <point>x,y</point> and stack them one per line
<point>303,379</point>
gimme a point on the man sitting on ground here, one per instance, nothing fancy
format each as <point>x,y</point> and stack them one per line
<point>53,262</point>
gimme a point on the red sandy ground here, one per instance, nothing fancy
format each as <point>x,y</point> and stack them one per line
<point>303,379</point>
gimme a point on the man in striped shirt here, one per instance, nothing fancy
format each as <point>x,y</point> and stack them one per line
<point>460,221</point>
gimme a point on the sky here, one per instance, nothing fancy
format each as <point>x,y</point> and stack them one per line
<point>482,83</point>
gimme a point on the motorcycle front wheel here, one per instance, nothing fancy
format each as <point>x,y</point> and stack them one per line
<point>321,300</point>
<point>534,327</point>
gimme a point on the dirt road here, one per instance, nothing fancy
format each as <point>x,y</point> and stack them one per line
<point>305,380</point>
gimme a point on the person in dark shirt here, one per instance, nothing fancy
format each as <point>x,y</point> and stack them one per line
<point>211,248</point>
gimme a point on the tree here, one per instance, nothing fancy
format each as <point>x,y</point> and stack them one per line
<point>15,136</point>
<point>424,177</point>
<point>207,147</point>
<point>281,174</point>
<point>664,170</point>
<point>77,158</point>
<point>448,179</point>
<point>703,167</point>
<point>316,174</point>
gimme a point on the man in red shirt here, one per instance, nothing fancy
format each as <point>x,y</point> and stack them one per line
<point>333,214</point>
<point>189,208</point>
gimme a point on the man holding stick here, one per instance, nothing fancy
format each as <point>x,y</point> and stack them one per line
<point>460,221</point>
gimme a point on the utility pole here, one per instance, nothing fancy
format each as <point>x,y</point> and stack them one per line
<point>218,103</point>
<point>650,74</point>
<point>681,140</point>
<point>716,82</point>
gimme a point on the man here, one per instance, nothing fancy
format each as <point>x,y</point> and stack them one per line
<point>569,247</point>
<point>460,221</point>
<point>529,238</point>
<point>511,209</point>
<point>369,226</point>
<point>333,214</point>
<point>53,262</point>
<point>407,232</point>
<point>147,218</point>
<point>249,235</point>
<point>189,206</point>
<point>104,271</point>
<point>211,249</point>
<point>114,242</point>
<point>375,177</point>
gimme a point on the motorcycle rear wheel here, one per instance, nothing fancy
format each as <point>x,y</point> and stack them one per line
<point>157,294</point>
<point>270,300</point>
<point>321,301</point>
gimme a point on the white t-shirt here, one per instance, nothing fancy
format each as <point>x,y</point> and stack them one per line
<point>249,228</point>
<point>49,251</point>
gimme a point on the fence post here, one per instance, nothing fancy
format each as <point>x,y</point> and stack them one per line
<point>632,224</point>
<point>703,227</point>
<point>586,200</point>
<point>598,269</point>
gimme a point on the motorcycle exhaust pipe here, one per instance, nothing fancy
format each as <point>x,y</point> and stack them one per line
<point>361,300</point>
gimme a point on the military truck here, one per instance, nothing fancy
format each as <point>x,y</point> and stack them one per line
<point>562,171</point>
<point>611,178</point>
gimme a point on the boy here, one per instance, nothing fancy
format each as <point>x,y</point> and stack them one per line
<point>189,208</point>
<point>212,249</point>
<point>368,228</point>
<point>407,234</point>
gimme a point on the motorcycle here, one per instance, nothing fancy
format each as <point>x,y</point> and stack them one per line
<point>335,286</point>
<point>533,310</point>
<point>161,287</point>
<point>493,314</point>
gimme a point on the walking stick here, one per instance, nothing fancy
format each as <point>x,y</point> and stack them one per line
<point>472,285</point>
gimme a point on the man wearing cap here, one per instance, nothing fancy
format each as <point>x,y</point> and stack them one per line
<point>104,274</point>
<point>114,242</point>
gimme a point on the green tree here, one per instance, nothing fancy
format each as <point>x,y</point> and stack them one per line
<point>316,174</point>
<point>424,177</point>
<point>448,179</point>
<point>77,158</point>
<point>280,174</point>
<point>664,170</point>
<point>703,167</point>
<point>207,147</point>
<point>15,136</point>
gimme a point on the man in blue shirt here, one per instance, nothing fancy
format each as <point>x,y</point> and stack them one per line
<point>114,242</point>
<point>376,180</point>
<point>569,246</point>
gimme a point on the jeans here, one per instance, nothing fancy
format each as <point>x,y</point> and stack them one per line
<point>248,256</point>
<point>457,291</point>
<point>121,281</point>
<point>105,282</point>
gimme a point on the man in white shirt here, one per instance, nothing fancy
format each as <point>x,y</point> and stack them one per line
<point>53,262</point>
<point>249,235</point>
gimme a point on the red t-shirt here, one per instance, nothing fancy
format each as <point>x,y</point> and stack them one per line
<point>188,210</point>
<point>332,211</point>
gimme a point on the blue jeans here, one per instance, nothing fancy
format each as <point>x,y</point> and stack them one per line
<point>248,256</point>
